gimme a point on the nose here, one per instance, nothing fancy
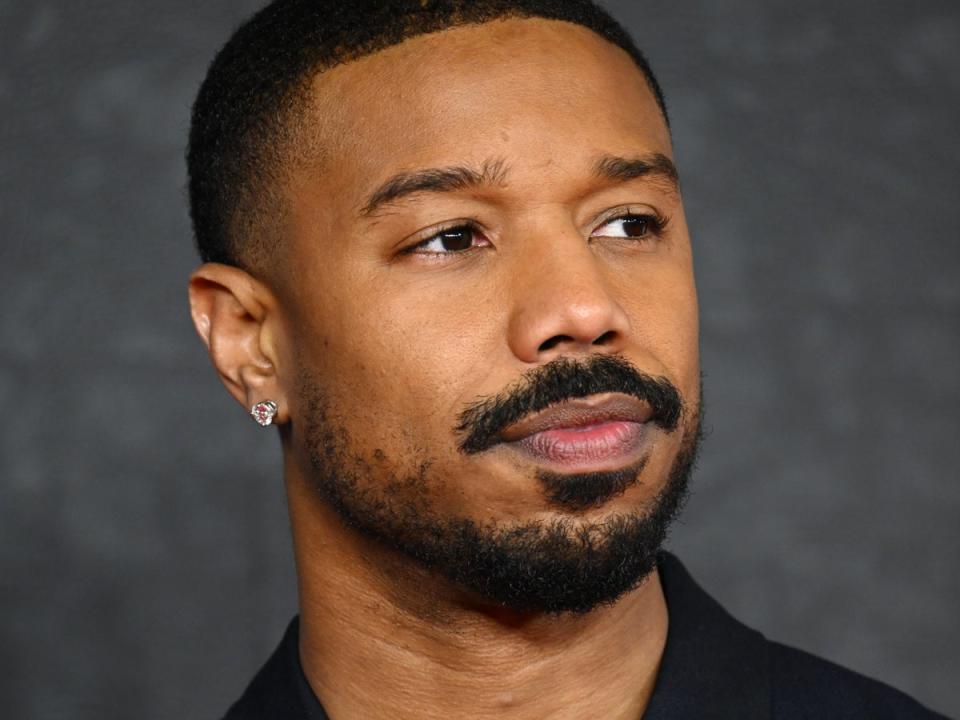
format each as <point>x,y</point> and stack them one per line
<point>563,303</point>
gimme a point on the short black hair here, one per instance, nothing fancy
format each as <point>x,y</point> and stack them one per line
<point>244,107</point>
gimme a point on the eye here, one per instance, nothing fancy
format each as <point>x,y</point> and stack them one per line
<point>449,241</point>
<point>631,225</point>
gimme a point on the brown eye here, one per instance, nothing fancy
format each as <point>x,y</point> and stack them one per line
<point>456,239</point>
<point>635,226</point>
<point>631,226</point>
<point>451,241</point>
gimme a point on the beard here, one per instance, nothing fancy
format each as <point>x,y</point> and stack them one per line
<point>567,564</point>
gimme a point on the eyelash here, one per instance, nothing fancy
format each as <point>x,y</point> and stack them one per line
<point>655,225</point>
<point>470,226</point>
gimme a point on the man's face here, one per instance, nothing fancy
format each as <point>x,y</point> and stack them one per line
<point>425,313</point>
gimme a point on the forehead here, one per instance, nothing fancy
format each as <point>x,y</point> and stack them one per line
<point>531,90</point>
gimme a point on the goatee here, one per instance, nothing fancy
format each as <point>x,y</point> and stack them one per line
<point>568,564</point>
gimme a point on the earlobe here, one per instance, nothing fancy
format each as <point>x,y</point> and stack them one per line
<point>229,309</point>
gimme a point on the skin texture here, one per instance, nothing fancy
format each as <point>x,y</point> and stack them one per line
<point>397,344</point>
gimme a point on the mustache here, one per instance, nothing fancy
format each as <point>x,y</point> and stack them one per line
<point>566,379</point>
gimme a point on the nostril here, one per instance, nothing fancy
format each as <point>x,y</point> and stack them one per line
<point>608,336</point>
<point>553,342</point>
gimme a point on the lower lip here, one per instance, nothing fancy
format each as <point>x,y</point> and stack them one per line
<point>585,446</point>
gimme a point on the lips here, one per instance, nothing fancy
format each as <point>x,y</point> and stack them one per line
<point>584,434</point>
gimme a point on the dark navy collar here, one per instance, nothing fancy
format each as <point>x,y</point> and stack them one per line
<point>713,666</point>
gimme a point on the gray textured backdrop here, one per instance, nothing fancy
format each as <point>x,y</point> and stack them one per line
<point>144,554</point>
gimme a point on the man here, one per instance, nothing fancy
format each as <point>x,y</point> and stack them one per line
<point>445,254</point>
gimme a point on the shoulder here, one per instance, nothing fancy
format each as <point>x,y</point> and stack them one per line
<point>805,686</point>
<point>714,666</point>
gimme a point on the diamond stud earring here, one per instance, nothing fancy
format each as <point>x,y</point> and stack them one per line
<point>264,412</point>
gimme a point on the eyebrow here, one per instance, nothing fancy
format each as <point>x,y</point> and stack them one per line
<point>446,179</point>
<point>460,177</point>
<point>624,169</point>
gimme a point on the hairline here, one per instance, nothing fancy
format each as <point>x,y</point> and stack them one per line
<point>268,201</point>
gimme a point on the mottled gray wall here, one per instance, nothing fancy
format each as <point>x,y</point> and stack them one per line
<point>144,553</point>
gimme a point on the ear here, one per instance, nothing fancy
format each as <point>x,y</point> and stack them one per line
<point>236,316</point>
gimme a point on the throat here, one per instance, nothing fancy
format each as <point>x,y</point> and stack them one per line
<point>376,660</point>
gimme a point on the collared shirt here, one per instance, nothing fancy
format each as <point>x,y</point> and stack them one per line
<point>713,667</point>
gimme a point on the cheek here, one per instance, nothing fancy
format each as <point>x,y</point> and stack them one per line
<point>677,330</point>
<point>398,368</point>
<point>661,303</point>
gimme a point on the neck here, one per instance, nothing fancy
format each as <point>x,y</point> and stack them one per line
<point>381,637</point>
